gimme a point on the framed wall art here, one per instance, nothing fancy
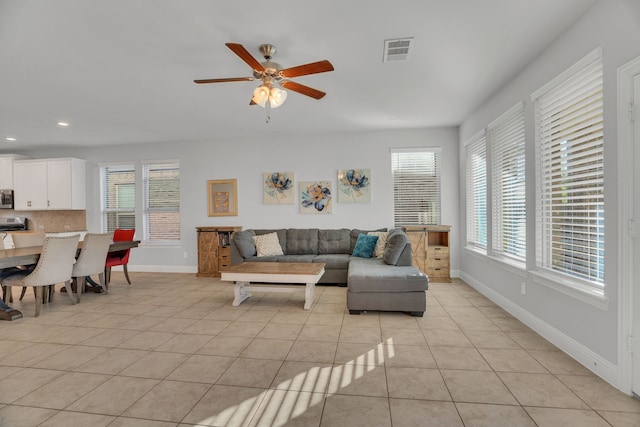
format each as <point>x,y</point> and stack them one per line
<point>222,195</point>
<point>278,188</point>
<point>315,197</point>
<point>354,185</point>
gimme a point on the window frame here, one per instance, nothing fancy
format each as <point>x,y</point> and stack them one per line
<point>476,145</point>
<point>147,210</point>
<point>104,210</point>
<point>573,284</point>
<point>432,197</point>
<point>506,140</point>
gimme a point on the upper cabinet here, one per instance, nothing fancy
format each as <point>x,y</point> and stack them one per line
<point>6,170</point>
<point>50,184</point>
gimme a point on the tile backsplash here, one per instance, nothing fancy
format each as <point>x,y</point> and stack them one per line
<point>51,221</point>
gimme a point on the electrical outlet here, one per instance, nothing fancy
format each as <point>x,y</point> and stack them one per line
<point>523,288</point>
<point>186,255</point>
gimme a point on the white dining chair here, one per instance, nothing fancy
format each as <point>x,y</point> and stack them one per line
<point>24,240</point>
<point>91,261</point>
<point>54,266</point>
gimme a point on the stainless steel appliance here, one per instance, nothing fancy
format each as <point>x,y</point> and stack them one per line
<point>6,199</point>
<point>14,223</point>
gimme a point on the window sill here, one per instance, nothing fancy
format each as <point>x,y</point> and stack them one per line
<point>476,252</point>
<point>512,266</point>
<point>572,288</point>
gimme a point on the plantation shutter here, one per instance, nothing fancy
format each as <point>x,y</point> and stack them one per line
<point>476,168</point>
<point>416,186</point>
<point>570,176</point>
<point>161,201</point>
<point>508,185</point>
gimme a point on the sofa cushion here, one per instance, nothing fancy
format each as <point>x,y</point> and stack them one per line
<point>378,252</point>
<point>296,258</point>
<point>267,245</point>
<point>374,275</point>
<point>302,241</point>
<point>365,246</point>
<point>333,261</point>
<point>356,232</point>
<point>244,243</point>
<point>334,241</point>
<point>282,236</point>
<point>395,251</point>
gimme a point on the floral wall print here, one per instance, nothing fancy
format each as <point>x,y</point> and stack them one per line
<point>278,188</point>
<point>354,186</point>
<point>315,197</point>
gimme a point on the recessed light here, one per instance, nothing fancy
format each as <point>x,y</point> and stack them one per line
<point>63,124</point>
<point>10,138</point>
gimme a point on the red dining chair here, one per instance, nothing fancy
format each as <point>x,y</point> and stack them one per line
<point>119,257</point>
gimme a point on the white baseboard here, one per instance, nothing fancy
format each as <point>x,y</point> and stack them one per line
<point>591,360</point>
<point>159,268</point>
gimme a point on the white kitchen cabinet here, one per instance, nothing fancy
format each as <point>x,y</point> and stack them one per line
<point>50,184</point>
<point>6,170</point>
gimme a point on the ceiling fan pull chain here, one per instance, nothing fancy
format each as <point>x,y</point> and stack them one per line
<point>267,108</point>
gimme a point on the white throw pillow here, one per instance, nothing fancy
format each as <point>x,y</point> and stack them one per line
<point>267,244</point>
<point>382,241</point>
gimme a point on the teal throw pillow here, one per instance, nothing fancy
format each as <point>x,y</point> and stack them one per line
<point>365,246</point>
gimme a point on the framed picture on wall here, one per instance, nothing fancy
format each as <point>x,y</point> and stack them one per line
<point>222,196</point>
<point>315,197</point>
<point>354,185</point>
<point>278,188</point>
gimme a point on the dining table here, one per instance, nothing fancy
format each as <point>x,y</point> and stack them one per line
<point>30,255</point>
<point>26,256</point>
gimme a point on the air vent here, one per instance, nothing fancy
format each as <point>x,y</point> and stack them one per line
<point>397,49</point>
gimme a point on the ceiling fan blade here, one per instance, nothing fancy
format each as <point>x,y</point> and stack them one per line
<point>303,70</point>
<point>305,90</point>
<point>239,50</point>
<point>230,79</point>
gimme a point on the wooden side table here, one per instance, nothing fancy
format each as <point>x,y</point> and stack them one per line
<point>214,249</point>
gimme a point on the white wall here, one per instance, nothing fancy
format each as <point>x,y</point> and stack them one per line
<point>310,157</point>
<point>587,332</point>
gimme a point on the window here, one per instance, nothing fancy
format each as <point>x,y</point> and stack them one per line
<point>159,208</point>
<point>476,169</point>
<point>570,175</point>
<point>118,196</point>
<point>416,186</point>
<point>506,136</point>
<point>161,201</point>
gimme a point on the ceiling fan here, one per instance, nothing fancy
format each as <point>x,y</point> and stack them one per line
<point>273,77</point>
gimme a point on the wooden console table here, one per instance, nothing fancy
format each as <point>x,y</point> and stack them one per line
<point>214,249</point>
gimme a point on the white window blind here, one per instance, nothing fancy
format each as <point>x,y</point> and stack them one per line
<point>161,182</point>
<point>476,169</point>
<point>416,186</point>
<point>570,174</point>
<point>506,136</point>
<point>118,194</point>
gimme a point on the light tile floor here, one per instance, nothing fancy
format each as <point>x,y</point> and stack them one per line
<point>170,350</point>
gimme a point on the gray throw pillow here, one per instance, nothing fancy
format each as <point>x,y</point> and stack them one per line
<point>244,243</point>
<point>397,240</point>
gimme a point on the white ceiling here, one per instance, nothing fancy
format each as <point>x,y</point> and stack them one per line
<point>122,71</point>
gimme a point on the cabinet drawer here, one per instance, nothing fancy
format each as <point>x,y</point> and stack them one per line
<point>438,263</point>
<point>224,250</point>
<point>437,271</point>
<point>438,250</point>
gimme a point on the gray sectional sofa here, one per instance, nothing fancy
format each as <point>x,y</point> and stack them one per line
<point>389,283</point>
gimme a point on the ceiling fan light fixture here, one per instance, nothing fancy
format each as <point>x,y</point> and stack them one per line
<point>261,95</point>
<point>277,97</point>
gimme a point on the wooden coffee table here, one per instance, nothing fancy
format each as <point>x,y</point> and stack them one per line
<point>289,274</point>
